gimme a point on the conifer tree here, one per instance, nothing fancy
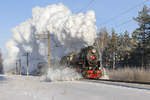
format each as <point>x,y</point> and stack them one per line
<point>141,36</point>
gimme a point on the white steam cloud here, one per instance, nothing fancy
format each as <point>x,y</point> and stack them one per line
<point>68,32</point>
<point>62,74</point>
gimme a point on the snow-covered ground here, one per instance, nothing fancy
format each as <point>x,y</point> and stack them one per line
<point>35,88</point>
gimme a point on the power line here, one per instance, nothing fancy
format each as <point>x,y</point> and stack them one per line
<point>124,12</point>
<point>90,2</point>
<point>125,22</point>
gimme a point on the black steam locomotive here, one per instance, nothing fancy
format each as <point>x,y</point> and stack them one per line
<point>86,62</point>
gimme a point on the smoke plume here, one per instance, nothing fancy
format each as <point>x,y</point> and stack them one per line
<point>68,32</point>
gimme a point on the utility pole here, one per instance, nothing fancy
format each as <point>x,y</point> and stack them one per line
<point>20,68</point>
<point>27,55</point>
<point>46,36</point>
<point>16,68</point>
<point>27,64</point>
<point>49,56</point>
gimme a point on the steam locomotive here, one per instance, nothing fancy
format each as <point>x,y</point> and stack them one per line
<point>86,62</point>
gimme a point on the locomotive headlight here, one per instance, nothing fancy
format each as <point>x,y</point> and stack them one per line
<point>71,57</point>
<point>93,50</point>
<point>90,68</point>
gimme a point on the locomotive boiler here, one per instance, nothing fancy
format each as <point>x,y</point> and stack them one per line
<point>86,62</point>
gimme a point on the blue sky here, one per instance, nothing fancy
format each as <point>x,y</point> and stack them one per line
<point>109,13</point>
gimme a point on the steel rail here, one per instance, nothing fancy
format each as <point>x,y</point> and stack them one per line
<point>122,81</point>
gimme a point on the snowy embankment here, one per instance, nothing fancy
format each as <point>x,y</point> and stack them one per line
<point>35,88</point>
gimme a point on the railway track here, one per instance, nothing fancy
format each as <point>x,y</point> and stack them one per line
<point>121,81</point>
<point>128,84</point>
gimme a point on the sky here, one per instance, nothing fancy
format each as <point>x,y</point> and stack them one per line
<point>117,14</point>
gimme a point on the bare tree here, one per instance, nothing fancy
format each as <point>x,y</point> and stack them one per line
<point>102,41</point>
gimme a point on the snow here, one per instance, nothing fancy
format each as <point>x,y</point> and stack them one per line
<point>62,74</point>
<point>35,88</point>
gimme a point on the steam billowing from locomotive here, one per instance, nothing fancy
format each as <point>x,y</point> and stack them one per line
<point>68,32</point>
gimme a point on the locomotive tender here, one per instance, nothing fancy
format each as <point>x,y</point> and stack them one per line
<point>86,62</point>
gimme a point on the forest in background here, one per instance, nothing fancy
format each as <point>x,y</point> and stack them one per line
<point>127,49</point>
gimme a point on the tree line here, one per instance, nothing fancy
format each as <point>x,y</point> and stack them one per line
<point>127,49</point>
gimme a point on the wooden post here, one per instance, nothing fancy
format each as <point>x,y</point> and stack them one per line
<point>16,68</point>
<point>46,36</point>
<point>49,58</point>
<point>20,68</point>
<point>27,68</point>
<point>27,64</point>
